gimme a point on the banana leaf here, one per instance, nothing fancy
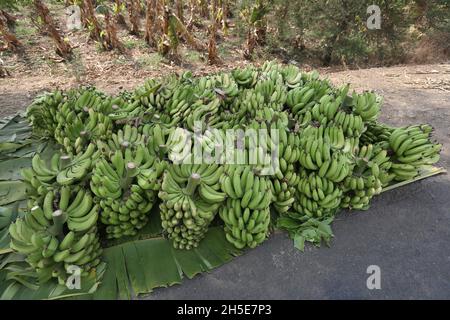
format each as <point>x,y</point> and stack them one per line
<point>136,268</point>
<point>10,169</point>
<point>12,191</point>
<point>133,268</point>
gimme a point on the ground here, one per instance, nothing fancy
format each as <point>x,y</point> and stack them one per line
<point>406,232</point>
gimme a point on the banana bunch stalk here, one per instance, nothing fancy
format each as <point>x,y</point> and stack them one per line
<point>59,232</point>
<point>125,204</point>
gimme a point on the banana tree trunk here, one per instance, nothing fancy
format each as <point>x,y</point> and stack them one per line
<point>180,14</point>
<point>213,57</point>
<point>150,21</point>
<point>134,12</point>
<point>12,43</point>
<point>93,24</point>
<point>118,16</point>
<point>112,41</point>
<point>62,47</point>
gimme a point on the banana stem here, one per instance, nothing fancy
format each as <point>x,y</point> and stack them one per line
<point>64,161</point>
<point>59,218</point>
<point>130,173</point>
<point>434,171</point>
<point>193,182</point>
<point>162,151</point>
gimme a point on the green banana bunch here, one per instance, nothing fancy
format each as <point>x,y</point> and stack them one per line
<point>185,215</point>
<point>146,94</point>
<point>286,179</point>
<point>292,76</point>
<point>327,107</point>
<point>226,87</point>
<point>158,139</point>
<point>413,148</point>
<point>273,91</point>
<point>115,181</point>
<point>55,236</point>
<point>244,226</point>
<point>75,169</point>
<point>352,124</point>
<point>61,170</point>
<point>245,78</point>
<point>80,121</point>
<point>127,137</point>
<point>284,194</point>
<point>376,133</point>
<point>150,179</point>
<point>367,105</point>
<point>369,175</point>
<point>205,113</point>
<point>316,196</point>
<point>154,94</point>
<point>300,101</point>
<point>42,113</point>
<point>126,111</point>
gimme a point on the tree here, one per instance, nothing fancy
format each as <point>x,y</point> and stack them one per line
<point>213,57</point>
<point>111,40</point>
<point>95,31</point>
<point>11,41</point>
<point>134,12</point>
<point>150,23</point>
<point>62,47</point>
<point>254,16</point>
<point>118,8</point>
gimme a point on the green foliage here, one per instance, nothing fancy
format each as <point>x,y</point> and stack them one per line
<point>13,4</point>
<point>335,31</point>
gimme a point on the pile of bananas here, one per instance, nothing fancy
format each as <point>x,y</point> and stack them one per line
<point>120,156</point>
